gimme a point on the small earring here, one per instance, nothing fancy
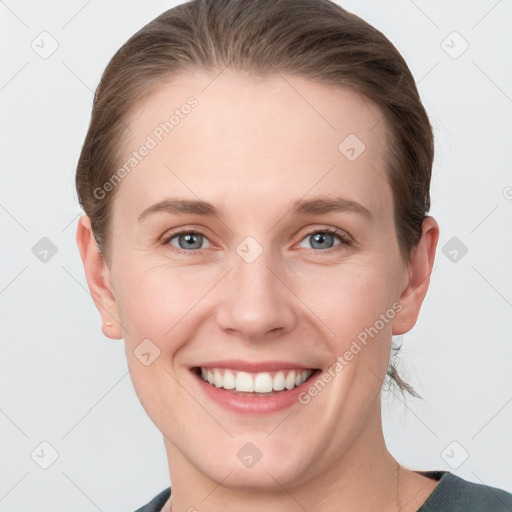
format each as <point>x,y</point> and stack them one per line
<point>108,324</point>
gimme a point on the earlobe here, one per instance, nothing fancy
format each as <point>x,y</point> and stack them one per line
<point>97,275</point>
<point>420,267</point>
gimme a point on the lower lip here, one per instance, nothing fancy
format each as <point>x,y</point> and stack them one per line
<point>254,404</point>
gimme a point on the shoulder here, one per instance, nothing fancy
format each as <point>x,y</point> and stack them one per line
<point>156,504</point>
<point>454,494</point>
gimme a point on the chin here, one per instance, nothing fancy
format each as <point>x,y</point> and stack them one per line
<point>256,464</point>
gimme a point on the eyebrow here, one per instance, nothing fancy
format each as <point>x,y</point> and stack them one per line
<point>314,206</point>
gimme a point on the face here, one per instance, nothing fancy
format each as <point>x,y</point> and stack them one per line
<point>291,271</point>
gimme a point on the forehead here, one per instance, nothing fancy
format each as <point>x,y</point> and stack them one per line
<point>240,104</point>
<point>250,135</point>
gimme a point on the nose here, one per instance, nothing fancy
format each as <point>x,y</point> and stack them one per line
<point>257,303</point>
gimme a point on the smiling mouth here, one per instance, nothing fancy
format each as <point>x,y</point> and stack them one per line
<point>254,384</point>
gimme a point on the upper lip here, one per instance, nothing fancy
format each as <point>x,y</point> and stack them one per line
<point>254,366</point>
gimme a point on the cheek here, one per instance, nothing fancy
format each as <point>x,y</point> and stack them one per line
<point>156,308</point>
<point>154,301</point>
<point>350,298</point>
<point>355,304</point>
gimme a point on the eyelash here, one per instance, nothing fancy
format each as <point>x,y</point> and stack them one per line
<point>345,240</point>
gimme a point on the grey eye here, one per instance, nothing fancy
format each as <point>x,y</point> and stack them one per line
<point>188,240</point>
<point>321,240</point>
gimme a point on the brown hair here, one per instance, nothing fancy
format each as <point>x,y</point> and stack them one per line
<point>313,39</point>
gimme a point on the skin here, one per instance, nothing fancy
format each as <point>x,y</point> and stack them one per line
<point>251,147</point>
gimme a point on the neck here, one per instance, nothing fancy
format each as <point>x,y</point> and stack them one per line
<point>364,477</point>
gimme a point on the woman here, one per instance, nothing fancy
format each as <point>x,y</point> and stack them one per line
<point>255,181</point>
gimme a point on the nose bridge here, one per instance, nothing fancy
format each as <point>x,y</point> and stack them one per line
<point>257,302</point>
<point>253,276</point>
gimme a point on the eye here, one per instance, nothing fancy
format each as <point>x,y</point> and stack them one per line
<point>324,239</point>
<point>185,241</point>
<point>191,242</point>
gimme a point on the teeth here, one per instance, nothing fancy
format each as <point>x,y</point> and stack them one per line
<point>263,382</point>
<point>278,382</point>
<point>244,382</point>
<point>228,381</point>
<point>289,383</point>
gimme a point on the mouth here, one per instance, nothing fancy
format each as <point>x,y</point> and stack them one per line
<point>254,391</point>
<point>261,383</point>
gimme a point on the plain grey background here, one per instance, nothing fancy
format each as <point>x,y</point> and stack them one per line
<point>67,386</point>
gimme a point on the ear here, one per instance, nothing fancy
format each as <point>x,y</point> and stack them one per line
<point>97,274</point>
<point>419,270</point>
